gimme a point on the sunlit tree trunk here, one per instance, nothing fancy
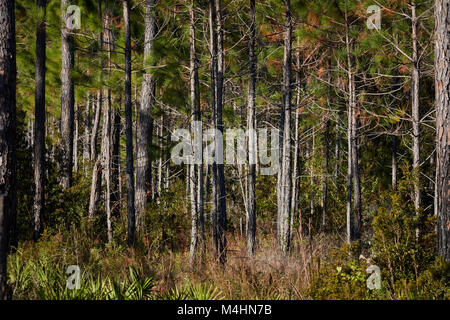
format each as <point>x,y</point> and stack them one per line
<point>442,83</point>
<point>143,160</point>
<point>67,99</point>
<point>286,182</point>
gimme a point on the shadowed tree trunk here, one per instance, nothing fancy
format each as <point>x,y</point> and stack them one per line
<point>251,126</point>
<point>87,125</point>
<point>221,195</point>
<point>143,160</point>
<point>39,120</point>
<point>350,107</point>
<point>129,127</point>
<point>442,71</point>
<point>8,201</point>
<point>67,99</point>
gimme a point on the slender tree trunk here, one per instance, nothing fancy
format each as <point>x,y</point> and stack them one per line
<point>67,99</point>
<point>39,118</point>
<point>213,73</point>
<point>356,176</point>
<point>144,161</point>
<point>8,200</point>
<point>442,70</point>
<point>94,134</point>
<point>97,169</point>
<point>196,170</point>
<point>349,140</point>
<point>106,162</point>
<point>129,127</point>
<point>415,114</point>
<point>251,126</point>
<point>286,182</point>
<point>86,136</point>
<point>221,196</point>
<point>296,162</point>
<point>115,162</point>
<point>75,140</point>
<point>327,155</point>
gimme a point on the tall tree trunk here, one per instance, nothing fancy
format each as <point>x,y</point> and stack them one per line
<point>115,162</point>
<point>196,169</point>
<point>97,169</point>
<point>106,162</point>
<point>350,134</point>
<point>356,176</point>
<point>415,114</point>
<point>296,162</point>
<point>221,196</point>
<point>251,127</point>
<point>327,154</point>
<point>39,119</point>
<point>286,183</point>
<point>144,161</point>
<point>67,99</point>
<point>129,127</point>
<point>8,200</point>
<point>213,87</point>
<point>442,70</point>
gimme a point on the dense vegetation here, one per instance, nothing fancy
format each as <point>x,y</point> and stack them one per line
<point>356,109</point>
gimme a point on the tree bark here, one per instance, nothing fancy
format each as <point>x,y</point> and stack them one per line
<point>442,84</point>
<point>75,140</point>
<point>349,140</point>
<point>67,99</point>
<point>286,183</point>
<point>115,162</point>
<point>415,114</point>
<point>8,200</point>
<point>39,120</point>
<point>221,195</point>
<point>129,127</point>
<point>106,162</point>
<point>251,126</point>
<point>296,159</point>
<point>144,161</point>
<point>97,169</point>
<point>196,170</point>
<point>86,135</point>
